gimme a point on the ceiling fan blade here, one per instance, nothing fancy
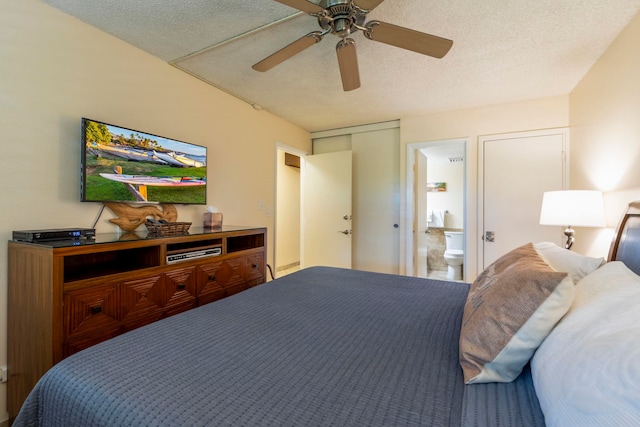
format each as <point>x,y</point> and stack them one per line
<point>405,38</point>
<point>303,5</point>
<point>368,5</point>
<point>348,62</point>
<point>288,51</point>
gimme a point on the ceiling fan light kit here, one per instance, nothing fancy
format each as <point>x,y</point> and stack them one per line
<point>343,18</point>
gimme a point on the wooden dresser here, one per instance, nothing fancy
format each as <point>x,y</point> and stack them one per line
<point>67,296</point>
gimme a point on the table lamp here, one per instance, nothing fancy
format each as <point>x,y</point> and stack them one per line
<point>572,208</point>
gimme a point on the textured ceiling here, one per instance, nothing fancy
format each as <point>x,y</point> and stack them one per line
<point>502,52</point>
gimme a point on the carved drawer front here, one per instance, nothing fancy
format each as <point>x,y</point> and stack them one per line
<point>179,291</point>
<point>230,276</point>
<point>140,305</point>
<point>90,315</point>
<point>226,275</point>
<point>209,289</point>
<point>254,269</point>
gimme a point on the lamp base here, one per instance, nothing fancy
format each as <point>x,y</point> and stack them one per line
<point>569,233</point>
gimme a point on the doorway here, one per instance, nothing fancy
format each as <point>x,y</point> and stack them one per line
<point>287,210</point>
<point>436,205</point>
<point>313,210</point>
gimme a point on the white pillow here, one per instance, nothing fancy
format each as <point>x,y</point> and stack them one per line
<point>587,371</point>
<point>561,259</point>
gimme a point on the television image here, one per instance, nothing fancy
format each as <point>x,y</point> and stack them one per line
<point>128,166</point>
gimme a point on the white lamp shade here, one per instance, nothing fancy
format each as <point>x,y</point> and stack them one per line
<point>575,208</point>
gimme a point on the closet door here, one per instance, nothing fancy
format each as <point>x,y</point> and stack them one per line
<point>376,211</point>
<point>516,169</point>
<point>374,190</point>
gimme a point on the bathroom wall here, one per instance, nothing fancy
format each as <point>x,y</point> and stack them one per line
<point>441,169</point>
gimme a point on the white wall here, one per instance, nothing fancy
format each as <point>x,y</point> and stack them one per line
<point>55,70</point>
<point>605,134</point>
<point>602,113</point>
<point>331,144</point>
<point>470,124</point>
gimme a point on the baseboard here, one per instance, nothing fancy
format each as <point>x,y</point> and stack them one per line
<point>284,267</point>
<point>4,423</point>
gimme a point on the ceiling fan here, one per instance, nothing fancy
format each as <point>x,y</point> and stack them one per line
<point>344,17</point>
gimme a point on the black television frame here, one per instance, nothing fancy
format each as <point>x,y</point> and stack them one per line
<point>159,159</point>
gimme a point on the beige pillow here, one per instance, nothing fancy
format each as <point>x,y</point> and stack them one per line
<point>512,306</point>
<point>561,259</point>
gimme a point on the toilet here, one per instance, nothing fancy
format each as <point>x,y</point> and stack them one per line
<point>454,254</point>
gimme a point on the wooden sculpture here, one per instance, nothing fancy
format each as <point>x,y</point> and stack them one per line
<point>131,217</point>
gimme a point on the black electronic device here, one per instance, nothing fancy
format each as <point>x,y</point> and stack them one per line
<point>54,234</point>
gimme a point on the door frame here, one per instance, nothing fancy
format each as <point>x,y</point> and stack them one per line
<point>300,153</point>
<point>482,139</point>
<point>410,189</point>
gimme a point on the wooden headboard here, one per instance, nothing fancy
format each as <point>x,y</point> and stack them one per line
<point>625,245</point>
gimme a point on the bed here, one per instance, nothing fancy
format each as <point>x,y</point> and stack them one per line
<point>328,346</point>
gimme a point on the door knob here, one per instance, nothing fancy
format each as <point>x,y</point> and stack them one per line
<point>345,231</point>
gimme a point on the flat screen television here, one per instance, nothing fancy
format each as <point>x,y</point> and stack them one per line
<point>128,166</point>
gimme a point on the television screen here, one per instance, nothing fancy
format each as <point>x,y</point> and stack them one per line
<point>125,165</point>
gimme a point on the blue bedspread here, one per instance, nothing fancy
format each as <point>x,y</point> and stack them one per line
<point>320,347</point>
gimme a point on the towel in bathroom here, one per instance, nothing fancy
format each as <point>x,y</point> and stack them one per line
<point>435,219</point>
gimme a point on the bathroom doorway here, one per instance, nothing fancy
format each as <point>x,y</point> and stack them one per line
<point>437,208</point>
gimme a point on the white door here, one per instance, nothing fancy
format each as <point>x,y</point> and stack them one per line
<point>326,210</point>
<point>419,214</point>
<point>516,170</point>
<point>376,191</point>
